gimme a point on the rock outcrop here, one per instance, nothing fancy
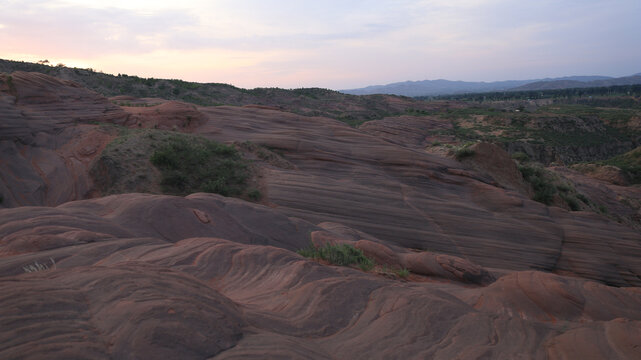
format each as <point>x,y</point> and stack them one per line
<point>492,273</point>
<point>131,276</point>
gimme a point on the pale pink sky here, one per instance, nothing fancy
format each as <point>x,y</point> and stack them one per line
<point>331,44</point>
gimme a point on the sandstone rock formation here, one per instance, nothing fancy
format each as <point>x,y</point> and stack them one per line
<point>493,274</point>
<point>148,275</point>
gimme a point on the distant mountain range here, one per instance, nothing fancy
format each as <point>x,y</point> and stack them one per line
<point>446,87</point>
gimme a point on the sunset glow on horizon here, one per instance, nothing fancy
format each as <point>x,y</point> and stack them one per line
<point>331,44</point>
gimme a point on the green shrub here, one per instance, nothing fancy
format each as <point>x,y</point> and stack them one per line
<point>629,162</point>
<point>254,195</point>
<point>198,165</point>
<point>543,188</point>
<point>546,185</point>
<point>583,198</point>
<point>403,273</point>
<point>340,254</point>
<point>11,85</point>
<point>520,156</point>
<point>572,202</point>
<point>463,153</point>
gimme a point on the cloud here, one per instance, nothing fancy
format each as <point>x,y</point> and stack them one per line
<point>80,31</point>
<point>346,43</point>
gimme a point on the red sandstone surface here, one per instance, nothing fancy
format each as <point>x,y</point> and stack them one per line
<point>133,276</point>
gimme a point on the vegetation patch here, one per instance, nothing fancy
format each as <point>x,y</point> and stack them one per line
<point>36,266</point>
<point>254,195</point>
<point>463,152</point>
<point>339,254</point>
<point>547,186</point>
<point>520,156</point>
<point>403,273</point>
<point>193,164</point>
<point>393,272</point>
<point>541,183</point>
<point>629,162</point>
<point>156,161</point>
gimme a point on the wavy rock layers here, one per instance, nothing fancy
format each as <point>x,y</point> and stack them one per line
<point>201,277</point>
<point>32,103</point>
<point>124,282</point>
<point>45,140</point>
<point>418,200</point>
<point>412,131</point>
<point>335,173</point>
<point>163,115</point>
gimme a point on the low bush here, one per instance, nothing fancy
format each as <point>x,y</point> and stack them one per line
<point>583,198</point>
<point>192,164</point>
<point>547,185</point>
<point>403,273</point>
<point>543,188</point>
<point>629,162</point>
<point>572,202</point>
<point>254,195</point>
<point>463,153</point>
<point>340,254</point>
<point>520,156</point>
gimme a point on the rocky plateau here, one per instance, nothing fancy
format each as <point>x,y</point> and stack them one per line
<point>492,273</point>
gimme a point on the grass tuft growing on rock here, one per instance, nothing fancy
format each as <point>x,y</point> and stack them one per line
<point>463,151</point>
<point>403,273</point>
<point>340,254</point>
<point>254,195</point>
<point>36,266</point>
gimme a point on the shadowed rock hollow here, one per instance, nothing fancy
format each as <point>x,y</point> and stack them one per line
<point>493,274</point>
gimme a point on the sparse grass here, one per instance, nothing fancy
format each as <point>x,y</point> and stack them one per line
<point>572,201</point>
<point>612,116</point>
<point>547,186</point>
<point>128,104</point>
<point>254,195</point>
<point>463,152</point>
<point>629,162</point>
<point>193,164</point>
<point>520,157</point>
<point>393,272</point>
<point>36,266</point>
<point>403,273</point>
<point>467,112</point>
<point>340,254</point>
<point>543,188</point>
<point>583,198</point>
<point>156,161</point>
<point>418,112</point>
<point>11,85</point>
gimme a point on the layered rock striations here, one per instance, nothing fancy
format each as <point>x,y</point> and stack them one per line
<point>492,273</point>
<point>122,283</point>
